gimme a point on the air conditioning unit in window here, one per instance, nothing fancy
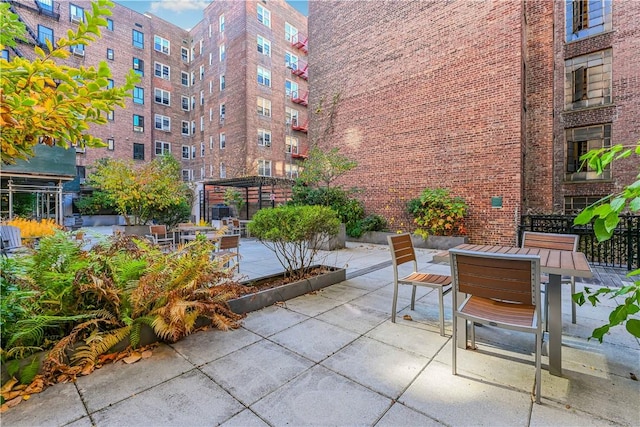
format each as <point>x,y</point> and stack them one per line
<point>138,129</point>
<point>76,19</point>
<point>83,180</point>
<point>78,52</point>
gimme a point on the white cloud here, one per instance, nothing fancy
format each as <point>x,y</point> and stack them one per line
<point>179,5</point>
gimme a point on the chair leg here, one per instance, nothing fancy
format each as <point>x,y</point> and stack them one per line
<point>538,366</point>
<point>394,303</point>
<point>473,334</point>
<point>413,298</point>
<point>454,341</point>
<point>441,298</point>
<point>573,303</point>
<point>546,308</point>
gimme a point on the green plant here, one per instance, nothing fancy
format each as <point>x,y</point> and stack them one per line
<point>437,213</point>
<point>369,223</point>
<point>234,197</point>
<point>605,215</point>
<point>293,233</point>
<point>98,202</point>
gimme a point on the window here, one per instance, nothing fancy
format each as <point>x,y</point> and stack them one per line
<point>201,72</point>
<point>291,115</point>
<point>201,97</point>
<point>138,151</point>
<point>138,66</point>
<point>291,89</point>
<point>111,145</point>
<point>162,97</point>
<point>575,204</point>
<point>162,148</point>
<point>138,123</point>
<point>193,52</point>
<point>4,54</point>
<point>580,141</point>
<point>222,82</point>
<point>202,149</point>
<point>109,24</point>
<point>264,138</point>
<point>193,78</point>
<point>77,49</point>
<point>289,32</point>
<point>201,46</point>
<point>193,151</point>
<point>264,46</point>
<point>162,123</point>
<point>585,18</point>
<point>264,16</point>
<point>184,54</point>
<point>110,54</point>
<point>264,107</point>
<point>138,95</point>
<point>185,103</point>
<point>184,127</point>
<point>46,5</point>
<point>264,77</point>
<point>264,167</point>
<point>110,83</point>
<point>291,145</point>
<point>222,113</point>
<point>161,70</point>
<point>184,78</point>
<point>588,80</point>
<point>111,116</point>
<point>223,141</point>
<point>193,102</point>
<point>210,58</point>
<point>44,34</point>
<point>161,45</point>
<point>290,60</point>
<point>138,39</point>
<point>193,127</point>
<point>222,52</point>
<point>221,23</point>
<point>186,175</point>
<point>223,170</point>
<point>291,171</point>
<point>186,152</point>
<point>76,14</point>
<point>210,142</point>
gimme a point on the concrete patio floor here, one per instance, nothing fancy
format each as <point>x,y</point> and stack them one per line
<point>333,358</point>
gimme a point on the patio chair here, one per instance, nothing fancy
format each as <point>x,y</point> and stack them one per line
<point>502,290</point>
<point>161,237</point>
<point>402,251</point>
<point>563,242</point>
<point>228,248</point>
<point>10,239</point>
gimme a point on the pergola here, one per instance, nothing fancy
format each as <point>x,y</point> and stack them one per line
<point>260,183</point>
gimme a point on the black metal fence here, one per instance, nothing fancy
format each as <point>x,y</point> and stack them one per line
<point>622,250</point>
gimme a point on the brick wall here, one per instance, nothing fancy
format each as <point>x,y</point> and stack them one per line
<point>430,97</point>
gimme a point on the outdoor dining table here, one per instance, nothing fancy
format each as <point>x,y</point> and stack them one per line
<point>556,264</point>
<point>187,233</point>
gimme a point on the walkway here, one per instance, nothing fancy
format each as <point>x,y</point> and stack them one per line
<point>335,358</point>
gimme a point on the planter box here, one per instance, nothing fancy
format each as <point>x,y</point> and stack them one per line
<point>432,242</point>
<point>326,243</point>
<point>267,297</point>
<point>132,230</point>
<point>100,220</point>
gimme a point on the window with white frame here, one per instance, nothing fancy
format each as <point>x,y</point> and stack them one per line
<point>202,97</point>
<point>222,54</point>
<point>291,89</point>
<point>291,115</point>
<point>264,107</point>
<point>223,170</point>
<point>289,32</point>
<point>201,123</point>
<point>210,142</point>
<point>184,127</point>
<point>264,76</point>
<point>264,167</point>
<point>193,102</point>
<point>291,60</point>
<point>185,103</point>
<point>193,52</point>
<point>184,54</point>
<point>210,114</point>
<point>184,78</point>
<point>201,46</point>
<point>193,127</point>
<point>186,175</point>
<point>193,78</point>
<point>161,70</point>
<point>291,145</point>
<point>223,140</point>
<point>264,46</point>
<point>264,138</point>
<point>291,171</point>
<point>222,112</point>
<point>264,16</point>
<point>162,96</point>
<point>76,13</point>
<point>162,148</point>
<point>162,123</point>
<point>210,58</point>
<point>221,23</point>
<point>210,86</point>
<point>193,151</point>
<point>223,84</point>
<point>201,72</point>
<point>161,45</point>
<point>202,149</point>
<point>186,152</point>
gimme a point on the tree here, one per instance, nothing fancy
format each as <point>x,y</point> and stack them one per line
<point>605,215</point>
<point>144,192</point>
<point>325,167</point>
<point>43,101</point>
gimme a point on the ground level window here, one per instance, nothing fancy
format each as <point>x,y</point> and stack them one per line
<point>574,204</point>
<point>138,151</point>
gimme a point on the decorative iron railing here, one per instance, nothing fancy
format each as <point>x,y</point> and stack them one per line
<point>622,250</point>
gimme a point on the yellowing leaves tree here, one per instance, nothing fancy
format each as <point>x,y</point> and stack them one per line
<point>43,101</point>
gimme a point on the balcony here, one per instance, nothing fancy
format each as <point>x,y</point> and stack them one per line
<point>296,125</point>
<point>299,41</point>
<point>300,70</point>
<point>297,99</point>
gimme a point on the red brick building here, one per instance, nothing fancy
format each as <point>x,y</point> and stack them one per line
<point>473,96</point>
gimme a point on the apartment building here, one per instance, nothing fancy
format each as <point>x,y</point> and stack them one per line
<point>494,100</point>
<point>227,98</point>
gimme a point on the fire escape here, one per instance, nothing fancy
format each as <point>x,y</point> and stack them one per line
<point>295,125</point>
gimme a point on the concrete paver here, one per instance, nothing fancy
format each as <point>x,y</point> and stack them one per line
<point>335,358</point>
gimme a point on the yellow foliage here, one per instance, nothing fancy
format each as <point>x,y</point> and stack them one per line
<point>32,228</point>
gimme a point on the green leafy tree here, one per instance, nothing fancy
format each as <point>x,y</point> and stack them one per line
<point>605,215</point>
<point>323,168</point>
<point>143,192</point>
<point>44,101</point>
<point>437,213</point>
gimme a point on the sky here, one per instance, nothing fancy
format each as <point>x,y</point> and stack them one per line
<point>186,13</point>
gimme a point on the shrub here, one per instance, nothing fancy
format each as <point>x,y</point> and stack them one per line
<point>437,213</point>
<point>96,203</point>
<point>34,228</point>
<point>369,223</point>
<point>292,233</point>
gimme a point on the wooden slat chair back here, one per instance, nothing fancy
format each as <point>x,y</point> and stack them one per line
<point>160,236</point>
<point>501,290</point>
<point>11,239</point>
<point>229,250</point>
<point>561,242</point>
<point>402,252</point>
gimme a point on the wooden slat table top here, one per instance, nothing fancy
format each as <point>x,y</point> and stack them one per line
<point>565,263</point>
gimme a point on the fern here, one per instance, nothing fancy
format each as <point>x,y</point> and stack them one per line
<point>134,335</point>
<point>29,372</point>
<point>88,353</point>
<point>31,331</point>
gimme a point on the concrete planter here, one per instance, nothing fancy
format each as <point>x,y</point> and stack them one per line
<point>432,242</point>
<point>267,297</point>
<point>331,243</point>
